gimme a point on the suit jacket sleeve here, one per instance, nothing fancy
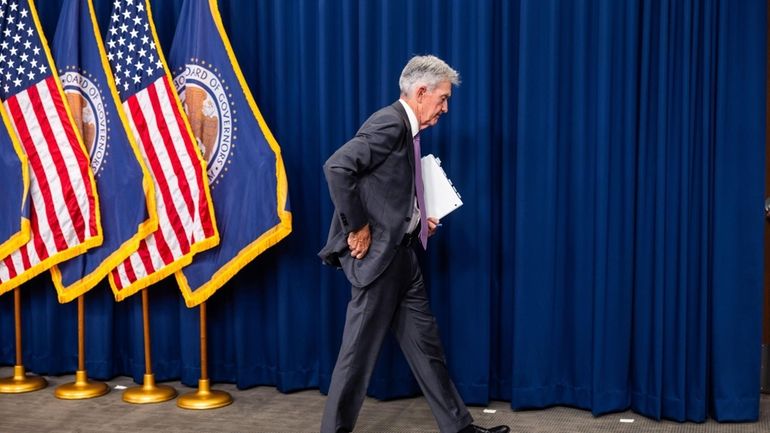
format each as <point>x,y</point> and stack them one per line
<point>372,144</point>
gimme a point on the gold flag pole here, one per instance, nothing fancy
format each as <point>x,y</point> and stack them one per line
<point>148,392</point>
<point>204,397</point>
<point>81,388</point>
<point>20,382</point>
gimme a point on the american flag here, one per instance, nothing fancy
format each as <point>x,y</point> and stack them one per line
<point>185,214</point>
<point>65,214</point>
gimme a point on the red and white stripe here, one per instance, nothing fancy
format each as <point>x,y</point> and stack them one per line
<point>63,201</point>
<point>182,204</point>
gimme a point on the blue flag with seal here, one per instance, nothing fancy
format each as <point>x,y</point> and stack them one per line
<point>125,187</point>
<point>245,168</point>
<point>14,176</point>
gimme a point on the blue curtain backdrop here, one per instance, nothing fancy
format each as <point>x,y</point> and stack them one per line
<point>610,155</point>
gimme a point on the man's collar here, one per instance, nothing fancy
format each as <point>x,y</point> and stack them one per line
<point>412,118</point>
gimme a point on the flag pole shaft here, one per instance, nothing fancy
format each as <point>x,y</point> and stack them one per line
<point>81,388</point>
<point>19,382</point>
<point>17,320</point>
<point>204,358</point>
<point>81,334</point>
<point>148,392</point>
<point>204,397</point>
<point>146,322</point>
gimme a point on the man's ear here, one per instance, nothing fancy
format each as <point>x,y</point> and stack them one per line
<point>420,92</point>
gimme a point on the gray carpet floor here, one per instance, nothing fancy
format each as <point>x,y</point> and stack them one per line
<point>265,410</point>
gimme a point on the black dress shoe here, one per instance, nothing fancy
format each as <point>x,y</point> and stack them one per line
<point>476,429</point>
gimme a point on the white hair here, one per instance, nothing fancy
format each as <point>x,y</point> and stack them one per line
<point>426,70</point>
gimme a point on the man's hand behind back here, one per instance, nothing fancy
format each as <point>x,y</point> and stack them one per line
<point>359,242</point>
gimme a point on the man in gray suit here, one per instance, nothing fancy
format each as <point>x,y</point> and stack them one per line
<point>377,193</point>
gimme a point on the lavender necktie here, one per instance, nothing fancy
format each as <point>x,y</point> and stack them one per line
<point>419,190</point>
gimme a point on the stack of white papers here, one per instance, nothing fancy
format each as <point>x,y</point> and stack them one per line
<point>441,197</point>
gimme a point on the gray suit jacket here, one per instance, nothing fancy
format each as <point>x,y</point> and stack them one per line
<point>371,180</point>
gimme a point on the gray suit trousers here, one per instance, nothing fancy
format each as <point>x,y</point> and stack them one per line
<point>397,300</point>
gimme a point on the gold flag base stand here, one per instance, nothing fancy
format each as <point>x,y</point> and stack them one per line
<point>20,382</point>
<point>204,397</point>
<point>149,392</point>
<point>81,388</point>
